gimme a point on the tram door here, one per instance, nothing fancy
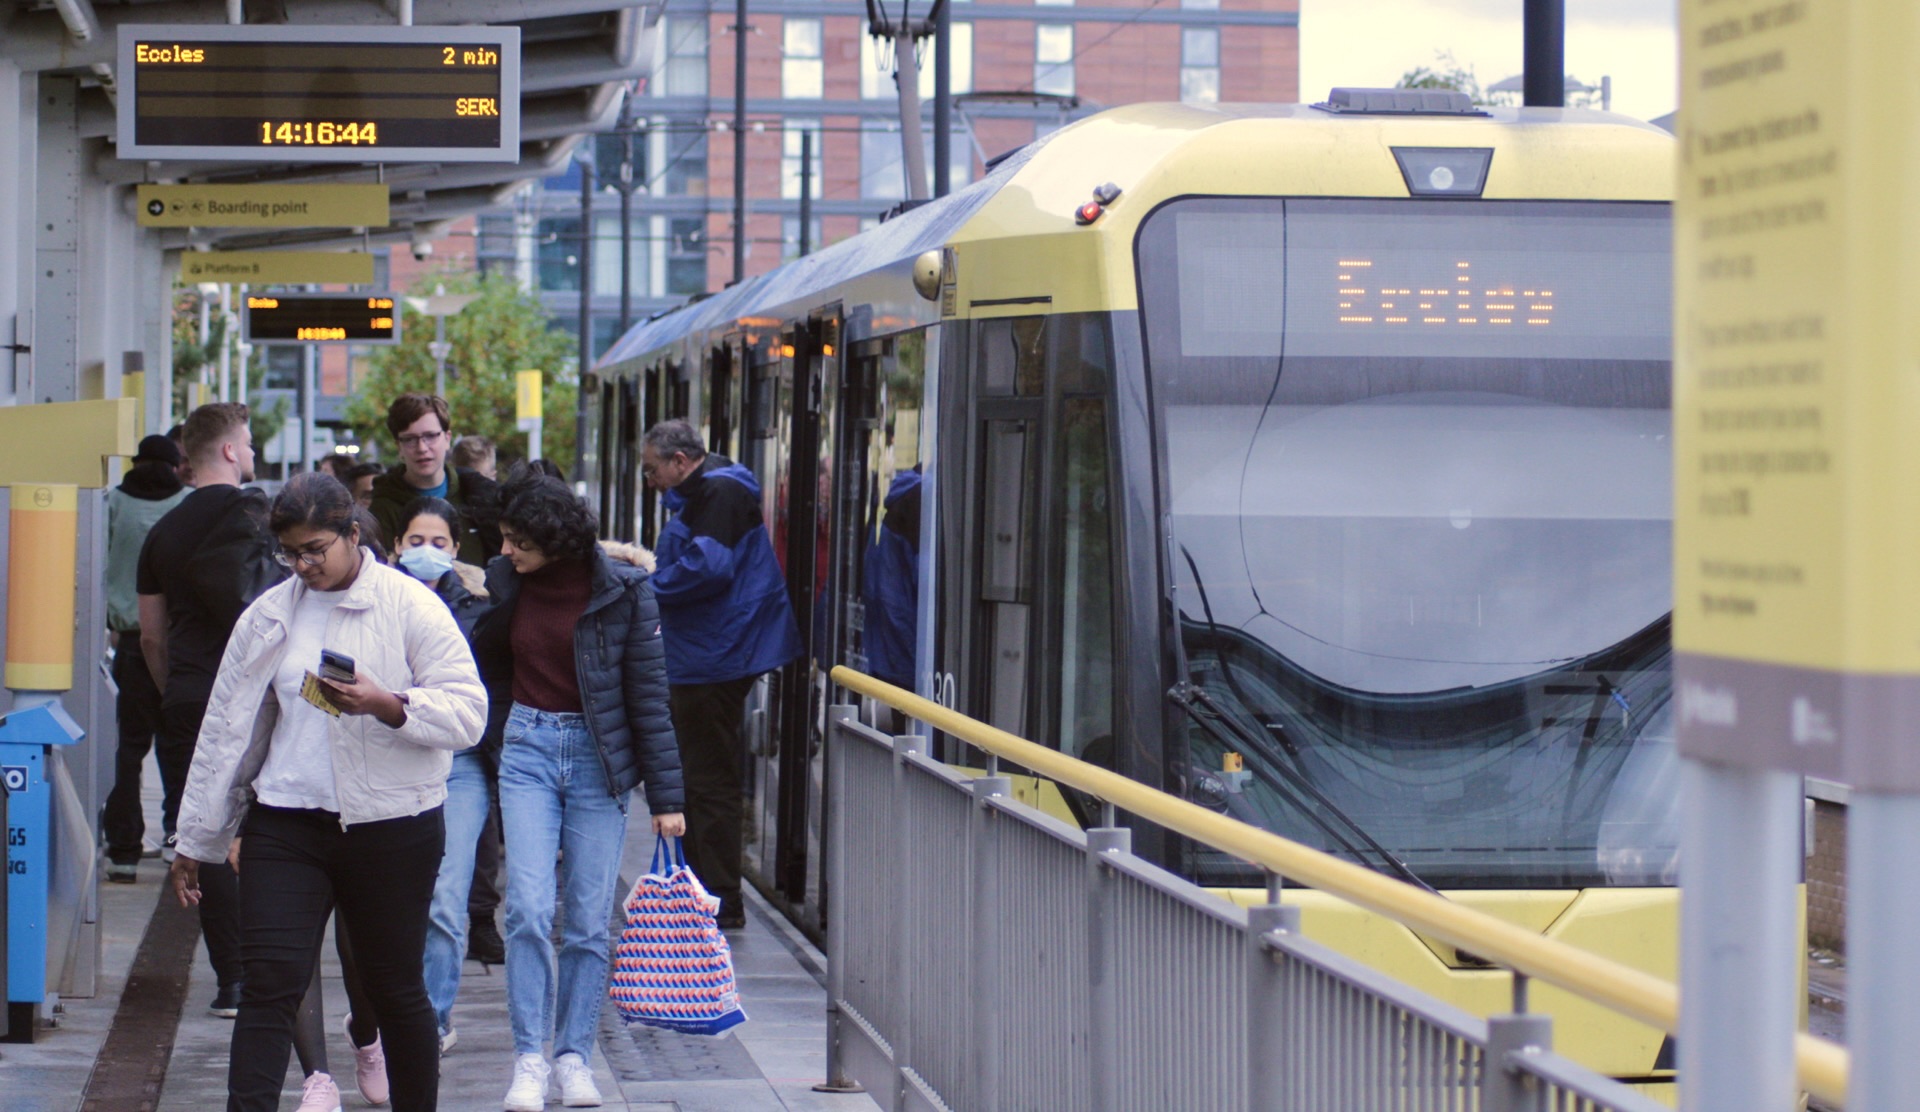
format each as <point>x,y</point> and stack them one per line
<point>802,389</point>
<point>996,613</point>
<point>1027,603</point>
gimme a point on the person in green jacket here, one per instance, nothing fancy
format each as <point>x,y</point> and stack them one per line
<point>151,488</point>
<point>422,426</point>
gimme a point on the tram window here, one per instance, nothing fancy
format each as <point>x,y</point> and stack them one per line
<point>1008,541</point>
<point>1011,356</point>
<point>1086,578</point>
<point>1424,565</point>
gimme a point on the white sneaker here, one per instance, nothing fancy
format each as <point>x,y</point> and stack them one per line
<point>528,1093</point>
<point>448,1038</point>
<point>576,1082</point>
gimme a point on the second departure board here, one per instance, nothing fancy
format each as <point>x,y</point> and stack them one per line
<point>319,94</point>
<point>321,318</point>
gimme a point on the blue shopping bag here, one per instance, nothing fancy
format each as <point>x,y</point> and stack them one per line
<point>673,967</point>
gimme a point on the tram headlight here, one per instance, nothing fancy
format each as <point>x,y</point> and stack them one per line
<point>1444,171</point>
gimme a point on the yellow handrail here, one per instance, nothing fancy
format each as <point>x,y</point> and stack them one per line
<point>1822,1065</point>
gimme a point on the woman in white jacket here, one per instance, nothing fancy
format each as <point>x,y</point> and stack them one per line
<point>339,786</point>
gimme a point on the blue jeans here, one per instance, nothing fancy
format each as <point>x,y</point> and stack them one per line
<point>554,800</point>
<point>469,796</point>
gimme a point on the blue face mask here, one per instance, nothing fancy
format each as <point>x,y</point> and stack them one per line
<point>426,563</point>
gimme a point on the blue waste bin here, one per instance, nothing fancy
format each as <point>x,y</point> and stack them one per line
<point>27,738</point>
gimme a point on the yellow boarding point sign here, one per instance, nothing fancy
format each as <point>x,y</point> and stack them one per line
<point>269,268</point>
<point>1796,389</point>
<point>262,206</point>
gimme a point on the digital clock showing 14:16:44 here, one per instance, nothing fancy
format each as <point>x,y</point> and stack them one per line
<point>307,133</point>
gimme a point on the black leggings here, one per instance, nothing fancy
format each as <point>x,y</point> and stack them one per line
<point>299,865</point>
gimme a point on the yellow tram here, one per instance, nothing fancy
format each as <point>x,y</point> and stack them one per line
<point>1309,462</point>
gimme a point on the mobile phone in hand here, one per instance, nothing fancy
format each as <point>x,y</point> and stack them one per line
<point>336,667</point>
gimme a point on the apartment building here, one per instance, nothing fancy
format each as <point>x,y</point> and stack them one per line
<point>1019,70</point>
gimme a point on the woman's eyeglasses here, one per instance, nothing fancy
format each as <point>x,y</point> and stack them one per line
<point>305,557</point>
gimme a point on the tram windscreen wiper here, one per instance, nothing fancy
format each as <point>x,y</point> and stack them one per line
<point>1288,782</point>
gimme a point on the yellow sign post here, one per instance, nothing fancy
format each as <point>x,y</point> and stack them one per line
<point>1796,410</point>
<point>262,206</point>
<point>41,550</point>
<point>527,387</point>
<point>1796,621</point>
<point>268,268</point>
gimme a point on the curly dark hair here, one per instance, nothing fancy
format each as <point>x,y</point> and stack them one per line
<point>550,517</point>
<point>314,499</point>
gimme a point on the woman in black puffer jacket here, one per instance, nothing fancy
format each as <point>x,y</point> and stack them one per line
<point>577,690</point>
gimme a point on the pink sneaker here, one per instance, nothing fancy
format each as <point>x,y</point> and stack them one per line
<point>370,1071</point>
<point>319,1094</point>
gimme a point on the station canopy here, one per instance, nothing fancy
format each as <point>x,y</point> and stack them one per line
<point>578,57</point>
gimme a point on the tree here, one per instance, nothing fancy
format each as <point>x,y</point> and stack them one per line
<point>503,331</point>
<point>194,362</point>
<point>1446,73</point>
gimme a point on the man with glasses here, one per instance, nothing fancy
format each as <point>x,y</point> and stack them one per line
<point>422,426</point>
<point>200,566</point>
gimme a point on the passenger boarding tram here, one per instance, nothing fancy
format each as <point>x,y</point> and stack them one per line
<point>1307,462</point>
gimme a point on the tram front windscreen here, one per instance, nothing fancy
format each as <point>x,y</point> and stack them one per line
<point>1417,468</point>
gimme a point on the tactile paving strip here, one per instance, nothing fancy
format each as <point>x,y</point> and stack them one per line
<point>650,1054</point>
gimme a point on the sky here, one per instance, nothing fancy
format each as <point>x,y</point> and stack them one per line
<point>1371,43</point>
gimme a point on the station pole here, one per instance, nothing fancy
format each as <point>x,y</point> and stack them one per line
<point>1740,845</point>
<point>942,97</point>
<point>309,361</point>
<point>586,304</point>
<point>1544,25</point>
<point>626,223</point>
<point>739,140</point>
<point>806,192</point>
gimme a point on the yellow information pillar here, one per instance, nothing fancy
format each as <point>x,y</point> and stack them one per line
<point>1796,523</point>
<point>42,532</point>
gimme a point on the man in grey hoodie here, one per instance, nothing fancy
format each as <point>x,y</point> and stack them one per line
<point>150,489</point>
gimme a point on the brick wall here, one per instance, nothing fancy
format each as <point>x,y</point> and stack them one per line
<point>1827,878</point>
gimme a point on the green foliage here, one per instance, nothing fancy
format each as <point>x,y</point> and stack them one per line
<point>502,332</point>
<point>1445,73</point>
<point>197,362</point>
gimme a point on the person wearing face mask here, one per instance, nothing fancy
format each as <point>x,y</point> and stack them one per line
<point>465,893</point>
<point>347,776</point>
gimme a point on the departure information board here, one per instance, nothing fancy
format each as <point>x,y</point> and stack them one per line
<point>319,318</point>
<point>320,94</point>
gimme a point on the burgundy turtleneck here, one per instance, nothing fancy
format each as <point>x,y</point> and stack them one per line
<point>551,602</point>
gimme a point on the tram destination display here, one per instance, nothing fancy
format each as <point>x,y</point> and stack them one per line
<point>321,318</point>
<point>319,94</point>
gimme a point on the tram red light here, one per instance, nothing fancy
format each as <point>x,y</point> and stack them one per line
<point>1088,213</point>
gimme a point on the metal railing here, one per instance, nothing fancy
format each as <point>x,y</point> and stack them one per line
<point>984,956</point>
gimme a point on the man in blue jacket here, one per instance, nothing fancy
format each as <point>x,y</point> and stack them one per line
<point>726,620</point>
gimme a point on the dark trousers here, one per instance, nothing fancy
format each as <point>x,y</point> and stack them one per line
<point>708,720</point>
<point>138,709</point>
<point>219,889</point>
<point>483,899</point>
<point>299,867</point>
